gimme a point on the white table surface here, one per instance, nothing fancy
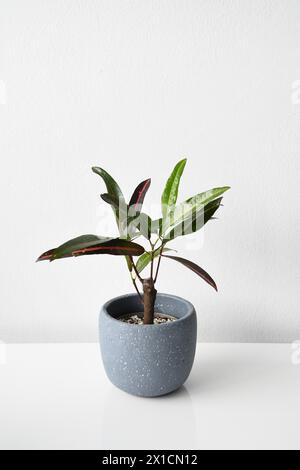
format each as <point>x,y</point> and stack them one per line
<point>238,396</point>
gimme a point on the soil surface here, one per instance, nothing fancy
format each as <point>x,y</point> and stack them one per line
<point>137,318</point>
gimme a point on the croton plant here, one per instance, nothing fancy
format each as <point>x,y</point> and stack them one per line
<point>177,220</point>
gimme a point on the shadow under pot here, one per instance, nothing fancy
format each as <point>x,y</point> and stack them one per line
<point>148,360</point>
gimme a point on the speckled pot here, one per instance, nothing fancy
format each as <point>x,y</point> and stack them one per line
<point>148,360</point>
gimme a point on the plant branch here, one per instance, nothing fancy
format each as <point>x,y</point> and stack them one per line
<point>135,270</point>
<point>159,261</point>
<point>152,260</point>
<point>137,290</point>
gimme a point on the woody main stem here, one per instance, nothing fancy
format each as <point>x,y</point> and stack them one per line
<point>149,300</point>
<point>149,293</point>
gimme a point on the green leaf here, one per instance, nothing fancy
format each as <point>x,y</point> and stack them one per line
<point>113,190</point>
<point>206,196</point>
<point>194,222</point>
<point>170,194</point>
<point>115,194</point>
<point>92,244</point>
<point>127,222</point>
<point>196,269</point>
<point>112,186</point>
<point>129,262</point>
<point>146,258</point>
<point>186,209</point>
<point>109,199</point>
<point>76,244</point>
<point>121,212</point>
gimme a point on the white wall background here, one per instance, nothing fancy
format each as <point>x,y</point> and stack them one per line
<point>133,86</point>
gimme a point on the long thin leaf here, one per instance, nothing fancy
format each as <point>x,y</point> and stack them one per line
<point>121,210</point>
<point>77,243</point>
<point>46,256</point>
<point>115,193</point>
<point>116,247</point>
<point>194,222</point>
<point>196,269</point>
<point>134,211</point>
<point>170,194</point>
<point>206,196</point>
<point>184,210</point>
<point>112,186</point>
<point>92,244</point>
<point>111,200</point>
<point>138,196</point>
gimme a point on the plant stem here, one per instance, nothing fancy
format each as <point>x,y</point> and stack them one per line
<point>135,270</point>
<point>159,261</point>
<point>149,300</point>
<point>137,290</point>
<point>152,261</point>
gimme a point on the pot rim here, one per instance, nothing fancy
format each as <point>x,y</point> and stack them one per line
<point>189,306</point>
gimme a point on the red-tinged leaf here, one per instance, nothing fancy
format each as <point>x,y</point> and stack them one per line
<point>45,256</point>
<point>92,244</point>
<point>113,247</point>
<point>139,194</point>
<point>196,269</point>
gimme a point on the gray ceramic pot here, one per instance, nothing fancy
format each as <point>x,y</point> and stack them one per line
<point>148,360</point>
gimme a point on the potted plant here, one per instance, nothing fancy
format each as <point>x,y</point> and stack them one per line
<point>147,340</point>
